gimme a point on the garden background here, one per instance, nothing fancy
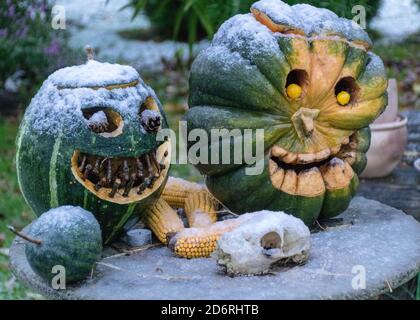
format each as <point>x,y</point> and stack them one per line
<point>159,38</point>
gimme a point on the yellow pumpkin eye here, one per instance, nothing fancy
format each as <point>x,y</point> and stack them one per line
<point>296,82</point>
<point>343,98</point>
<point>294,91</point>
<point>346,91</point>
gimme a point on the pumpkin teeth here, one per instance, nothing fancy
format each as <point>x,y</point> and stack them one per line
<point>87,171</point>
<point>119,176</point>
<point>309,174</point>
<point>337,174</point>
<point>322,155</point>
<point>336,149</point>
<point>115,186</point>
<point>82,163</point>
<point>310,182</point>
<point>348,156</point>
<point>291,158</point>
<point>119,173</point>
<point>129,185</point>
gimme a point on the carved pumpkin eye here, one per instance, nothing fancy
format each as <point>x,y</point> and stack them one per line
<point>104,121</point>
<point>296,83</point>
<point>149,115</point>
<point>346,91</point>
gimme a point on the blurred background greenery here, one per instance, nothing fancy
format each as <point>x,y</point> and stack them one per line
<point>192,20</point>
<point>30,50</point>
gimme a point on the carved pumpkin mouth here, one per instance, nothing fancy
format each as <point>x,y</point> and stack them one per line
<point>122,179</point>
<point>309,174</point>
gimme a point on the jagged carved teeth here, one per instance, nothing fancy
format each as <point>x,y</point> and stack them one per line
<point>311,181</point>
<point>310,174</point>
<point>123,176</point>
<point>307,158</point>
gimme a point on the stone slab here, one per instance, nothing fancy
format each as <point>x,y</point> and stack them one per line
<point>401,189</point>
<point>374,237</point>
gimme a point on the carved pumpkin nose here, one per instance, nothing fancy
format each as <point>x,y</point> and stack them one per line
<point>303,120</point>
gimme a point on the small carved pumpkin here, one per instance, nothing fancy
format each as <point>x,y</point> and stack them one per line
<point>88,139</point>
<point>308,79</point>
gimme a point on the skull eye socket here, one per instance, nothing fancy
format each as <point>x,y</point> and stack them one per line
<point>346,91</point>
<point>104,121</point>
<point>296,83</point>
<point>271,240</point>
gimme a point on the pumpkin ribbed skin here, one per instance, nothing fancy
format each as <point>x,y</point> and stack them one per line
<point>53,128</point>
<point>240,82</point>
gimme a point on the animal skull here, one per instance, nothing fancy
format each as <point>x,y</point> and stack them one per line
<point>261,240</point>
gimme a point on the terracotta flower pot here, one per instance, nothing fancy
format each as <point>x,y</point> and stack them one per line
<point>387,147</point>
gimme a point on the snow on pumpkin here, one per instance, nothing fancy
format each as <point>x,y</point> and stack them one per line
<point>82,143</point>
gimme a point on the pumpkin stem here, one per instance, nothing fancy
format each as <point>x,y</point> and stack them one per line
<point>89,52</point>
<point>24,236</point>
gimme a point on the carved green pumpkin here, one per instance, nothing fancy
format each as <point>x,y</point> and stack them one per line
<point>308,79</point>
<point>88,139</point>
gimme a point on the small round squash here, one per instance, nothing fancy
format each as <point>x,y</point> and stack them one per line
<point>65,236</point>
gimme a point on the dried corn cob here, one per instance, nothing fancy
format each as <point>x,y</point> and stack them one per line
<point>162,220</point>
<point>201,209</point>
<point>177,190</point>
<point>200,242</point>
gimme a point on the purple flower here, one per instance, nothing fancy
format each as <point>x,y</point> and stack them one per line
<point>43,7</point>
<point>3,33</point>
<point>11,11</point>
<point>53,49</point>
<point>22,32</point>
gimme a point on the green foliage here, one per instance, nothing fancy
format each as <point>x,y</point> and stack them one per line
<point>29,44</point>
<point>190,20</point>
<point>13,209</point>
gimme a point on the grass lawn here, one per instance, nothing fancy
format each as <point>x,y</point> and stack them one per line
<point>13,209</point>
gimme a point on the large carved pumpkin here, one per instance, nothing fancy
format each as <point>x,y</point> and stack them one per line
<point>88,139</point>
<point>308,79</point>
